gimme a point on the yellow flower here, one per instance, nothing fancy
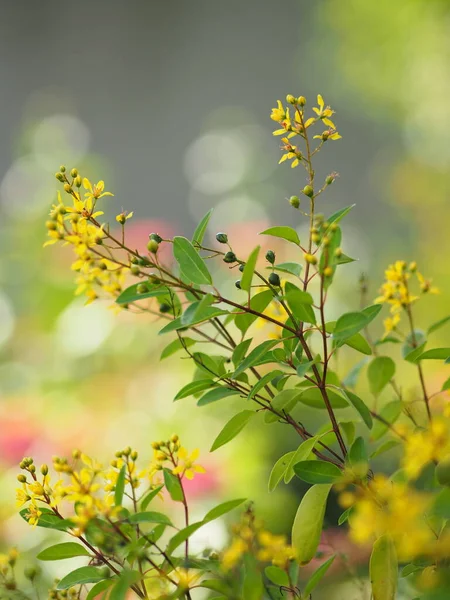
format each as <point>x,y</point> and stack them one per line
<point>94,192</point>
<point>275,549</point>
<point>279,114</point>
<point>22,496</point>
<point>233,553</point>
<point>33,514</point>
<point>324,112</point>
<point>186,578</point>
<point>186,464</point>
<point>423,446</point>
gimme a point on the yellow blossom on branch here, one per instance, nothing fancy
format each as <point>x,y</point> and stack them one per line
<point>186,466</point>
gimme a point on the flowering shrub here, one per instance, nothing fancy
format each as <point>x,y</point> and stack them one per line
<point>402,515</point>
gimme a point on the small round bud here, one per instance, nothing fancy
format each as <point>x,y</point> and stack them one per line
<point>274,279</point>
<point>310,259</point>
<point>174,438</point>
<point>76,454</point>
<point>142,288</point>
<point>291,99</point>
<point>412,266</point>
<point>51,225</point>
<point>326,241</point>
<point>155,445</point>
<point>222,238</point>
<point>160,455</point>
<point>134,455</point>
<point>294,201</point>
<point>59,176</point>
<point>328,271</point>
<point>338,252</point>
<point>329,179</point>
<point>325,135</point>
<point>241,268</point>
<point>144,262</point>
<point>164,307</point>
<point>301,100</point>
<point>127,451</point>
<point>74,172</point>
<point>67,188</point>
<point>62,168</point>
<point>30,573</point>
<point>104,572</point>
<point>315,238</point>
<point>121,219</point>
<point>270,256</point>
<point>153,246</point>
<point>326,225</point>
<point>230,257</point>
<point>334,227</point>
<point>155,237</point>
<point>135,270</point>
<point>214,556</point>
<point>78,181</point>
<point>62,209</point>
<point>308,191</point>
<point>238,284</point>
<point>32,469</point>
<point>44,469</point>
<point>134,260</point>
<point>21,478</point>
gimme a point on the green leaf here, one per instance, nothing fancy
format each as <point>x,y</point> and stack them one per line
<point>150,495</point>
<point>277,576</point>
<point>259,302</point>
<point>62,551</point>
<point>359,406</point>
<point>301,454</point>
<point>317,471</point>
<point>345,515</point>
<point>291,268</point>
<point>356,341</point>
<point>249,269</point>
<point>253,587</point>
<point>120,486</point>
<point>300,303</point>
<point>383,569</point>
<point>347,325</point>
<point>304,367</point>
<point>182,535</point>
<point>283,232</point>
<point>175,346</point>
<point>200,230</point>
<point>131,295</point>
<point>312,396</point>
<point>265,380</point>
<point>98,588</point>
<point>438,324</point>
<point>149,517</point>
<point>340,214</point>
<point>385,447</point>
<point>414,345</point>
<point>193,319</point>
<point>234,426</point>
<point>80,576</point>
<point>126,579</point>
<point>434,354</point>
<point>371,312</point>
<point>278,470</point>
<point>240,351</point>
<point>343,259</point>
<point>222,509</point>
<point>318,574</point>
<point>194,387</point>
<point>191,265</point>
<point>308,523</point>
<point>48,519</point>
<point>389,413</point>
<point>380,372</point>
<point>254,356</point>
<point>217,394</point>
<point>173,485</point>
<point>446,385</point>
<point>282,402</point>
<point>410,569</point>
<point>357,455</point>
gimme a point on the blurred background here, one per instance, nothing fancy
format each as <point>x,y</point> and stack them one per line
<point>169,103</point>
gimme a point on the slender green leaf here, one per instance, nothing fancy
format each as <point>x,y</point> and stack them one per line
<point>383,569</point>
<point>282,402</point>
<point>234,426</point>
<point>380,372</point>
<point>121,588</point>
<point>340,214</point>
<point>300,303</point>
<point>199,233</point>
<point>385,447</point>
<point>308,523</point>
<point>240,351</point>
<point>389,414</point>
<point>283,232</point>
<point>119,488</point>
<point>359,406</point>
<point>48,519</point>
<point>279,469</point>
<point>216,394</point>
<point>434,354</point>
<point>192,266</point>
<point>249,269</point>
<point>98,588</point>
<point>446,385</point>
<point>194,387</point>
<point>254,356</point>
<point>345,515</point>
<point>150,496</point>
<point>301,454</point>
<point>317,471</point>
<point>62,551</point>
<point>173,485</point>
<point>348,325</point>
<point>175,346</point>
<point>222,509</point>
<point>149,517</point>
<point>131,294</point>
<point>312,396</point>
<point>81,576</point>
<point>318,574</point>
<point>259,302</point>
<point>265,380</point>
<point>182,535</point>
<point>438,324</point>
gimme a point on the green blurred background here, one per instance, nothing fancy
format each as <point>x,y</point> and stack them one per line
<point>170,103</point>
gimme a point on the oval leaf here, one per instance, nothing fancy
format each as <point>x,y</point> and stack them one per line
<point>308,523</point>
<point>62,551</point>
<point>283,232</point>
<point>234,426</point>
<point>191,265</point>
<point>383,569</point>
<point>381,370</point>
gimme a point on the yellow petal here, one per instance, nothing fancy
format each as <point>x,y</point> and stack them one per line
<point>329,123</point>
<point>309,122</point>
<point>87,184</point>
<point>320,101</point>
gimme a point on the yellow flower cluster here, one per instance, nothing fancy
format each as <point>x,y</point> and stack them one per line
<point>425,445</point>
<point>396,291</point>
<point>298,124</point>
<point>181,462</point>
<point>385,506</point>
<point>249,536</point>
<point>75,223</point>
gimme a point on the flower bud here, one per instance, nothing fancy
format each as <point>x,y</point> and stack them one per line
<point>294,201</point>
<point>338,252</point>
<point>237,283</point>
<point>30,573</point>
<point>308,191</point>
<point>274,279</point>
<point>270,256</point>
<point>68,188</point>
<point>62,168</point>
<point>310,259</point>
<point>230,257</point>
<point>127,451</point>
<point>59,176</point>
<point>134,260</point>
<point>78,181</point>
<point>164,307</point>
<point>315,238</point>
<point>142,288</point>
<point>328,271</point>
<point>174,438</point>
<point>325,135</point>
<point>154,236</point>
<point>76,454</point>
<point>301,100</point>
<point>135,270</point>
<point>326,241</point>
<point>134,455</point>
<point>155,445</point>
<point>21,478</point>
<point>153,246</point>
<point>291,99</point>
<point>222,238</point>
<point>329,179</point>
<point>51,225</point>
<point>74,172</point>
<point>412,266</point>
<point>44,469</point>
<point>241,267</point>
